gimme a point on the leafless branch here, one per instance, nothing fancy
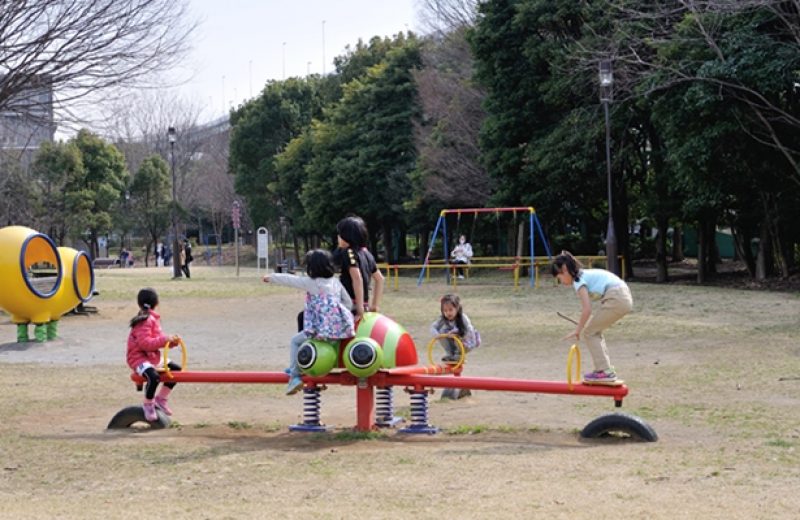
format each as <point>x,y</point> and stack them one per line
<point>440,17</point>
<point>74,48</point>
<point>637,60</point>
<point>448,140</point>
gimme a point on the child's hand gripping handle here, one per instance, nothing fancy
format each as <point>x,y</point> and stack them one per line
<point>172,342</point>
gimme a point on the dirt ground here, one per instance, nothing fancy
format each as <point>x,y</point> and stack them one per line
<point>715,372</point>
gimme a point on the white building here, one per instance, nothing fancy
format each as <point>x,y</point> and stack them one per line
<point>26,119</point>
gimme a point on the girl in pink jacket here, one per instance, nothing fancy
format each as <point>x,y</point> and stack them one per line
<point>144,342</point>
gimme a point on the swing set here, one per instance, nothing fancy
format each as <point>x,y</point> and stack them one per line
<point>533,226</point>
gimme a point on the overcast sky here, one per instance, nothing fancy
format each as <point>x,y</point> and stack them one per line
<point>241,44</point>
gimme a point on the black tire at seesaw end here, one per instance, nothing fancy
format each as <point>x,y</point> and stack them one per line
<point>127,417</point>
<point>619,423</point>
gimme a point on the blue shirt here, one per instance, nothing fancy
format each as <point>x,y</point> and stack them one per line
<point>597,281</point>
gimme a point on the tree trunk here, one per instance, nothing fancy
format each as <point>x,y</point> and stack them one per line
<point>296,244</point>
<point>621,225</point>
<point>423,244</point>
<point>677,243</point>
<point>373,245</point>
<point>773,226</point>
<point>712,253</point>
<point>402,246</point>
<point>387,244</point>
<point>520,240</point>
<point>702,246</point>
<point>741,241</point>
<point>150,243</point>
<point>282,238</point>
<point>763,260</point>
<point>93,245</point>
<point>661,250</point>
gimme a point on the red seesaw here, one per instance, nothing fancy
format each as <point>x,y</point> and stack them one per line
<point>365,387</point>
<point>416,379</point>
<point>376,387</point>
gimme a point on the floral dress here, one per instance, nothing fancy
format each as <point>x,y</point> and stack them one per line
<point>327,312</point>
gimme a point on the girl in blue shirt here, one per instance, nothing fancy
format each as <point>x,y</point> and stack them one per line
<point>615,302</point>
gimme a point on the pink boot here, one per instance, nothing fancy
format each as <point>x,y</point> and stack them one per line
<point>161,400</point>
<point>150,412</point>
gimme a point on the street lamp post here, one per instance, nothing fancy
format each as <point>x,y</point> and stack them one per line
<point>283,52</point>
<point>128,218</point>
<point>236,215</point>
<point>176,257</point>
<point>606,94</point>
<point>283,262</point>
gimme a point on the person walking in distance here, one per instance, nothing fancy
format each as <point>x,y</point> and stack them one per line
<point>186,257</point>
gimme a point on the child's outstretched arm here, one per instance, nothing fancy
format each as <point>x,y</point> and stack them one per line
<point>290,280</point>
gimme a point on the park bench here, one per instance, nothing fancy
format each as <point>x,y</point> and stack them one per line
<point>105,262</point>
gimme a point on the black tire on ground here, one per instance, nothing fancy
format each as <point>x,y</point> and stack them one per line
<point>126,417</point>
<point>619,423</point>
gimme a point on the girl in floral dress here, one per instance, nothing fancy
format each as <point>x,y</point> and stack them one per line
<point>327,313</point>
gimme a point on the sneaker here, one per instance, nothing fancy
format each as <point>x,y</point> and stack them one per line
<point>461,277</point>
<point>150,412</point>
<point>294,386</point>
<point>600,376</point>
<point>451,358</point>
<point>162,403</point>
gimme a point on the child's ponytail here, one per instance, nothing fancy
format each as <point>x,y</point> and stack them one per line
<point>147,300</point>
<point>573,265</point>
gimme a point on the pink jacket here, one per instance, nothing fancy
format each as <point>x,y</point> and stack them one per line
<point>145,341</point>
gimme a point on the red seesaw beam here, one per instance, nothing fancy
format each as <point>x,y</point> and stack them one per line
<point>499,384</point>
<point>365,407</point>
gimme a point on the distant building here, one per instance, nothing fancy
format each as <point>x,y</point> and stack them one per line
<point>210,137</point>
<point>26,120</point>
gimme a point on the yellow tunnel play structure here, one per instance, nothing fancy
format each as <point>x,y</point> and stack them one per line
<point>38,281</point>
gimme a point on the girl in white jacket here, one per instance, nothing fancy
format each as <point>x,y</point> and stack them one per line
<point>327,313</point>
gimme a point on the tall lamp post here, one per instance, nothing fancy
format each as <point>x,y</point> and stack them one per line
<point>176,257</point>
<point>606,94</point>
<point>128,218</point>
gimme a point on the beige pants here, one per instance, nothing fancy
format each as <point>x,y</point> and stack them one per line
<point>615,303</point>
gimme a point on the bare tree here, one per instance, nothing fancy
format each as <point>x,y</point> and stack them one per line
<point>138,126</point>
<point>448,137</point>
<point>79,47</point>
<point>216,191</point>
<point>444,16</point>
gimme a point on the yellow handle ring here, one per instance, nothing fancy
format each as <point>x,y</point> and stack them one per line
<point>574,352</point>
<point>458,341</point>
<point>165,358</point>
